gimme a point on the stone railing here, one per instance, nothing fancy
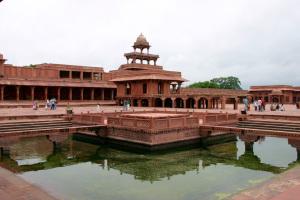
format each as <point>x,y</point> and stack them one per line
<point>153,123</point>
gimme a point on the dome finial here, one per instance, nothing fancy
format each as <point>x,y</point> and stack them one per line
<point>141,42</point>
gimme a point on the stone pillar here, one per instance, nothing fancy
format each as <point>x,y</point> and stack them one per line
<point>173,103</point>
<point>58,94</point>
<point>149,102</point>
<point>32,93</point>
<point>70,94</point>
<point>184,103</point>
<point>93,94</point>
<point>236,102</point>
<point>163,103</point>
<point>223,103</point>
<point>46,93</point>
<point>139,103</point>
<point>2,93</point>
<point>217,102</point>
<point>18,93</point>
<point>209,104</point>
<point>81,75</point>
<point>81,94</point>
<point>112,95</point>
<point>102,94</point>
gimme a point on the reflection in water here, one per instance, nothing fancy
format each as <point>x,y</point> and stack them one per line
<point>85,171</point>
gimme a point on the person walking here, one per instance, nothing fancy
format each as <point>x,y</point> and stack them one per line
<point>259,102</point>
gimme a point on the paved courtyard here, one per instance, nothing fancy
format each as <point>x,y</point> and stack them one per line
<point>289,110</point>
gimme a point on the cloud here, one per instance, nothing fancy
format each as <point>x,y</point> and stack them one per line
<point>258,41</point>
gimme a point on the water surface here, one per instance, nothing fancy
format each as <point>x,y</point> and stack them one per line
<point>78,170</point>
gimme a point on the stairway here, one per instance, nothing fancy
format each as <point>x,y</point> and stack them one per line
<point>34,125</point>
<point>270,125</point>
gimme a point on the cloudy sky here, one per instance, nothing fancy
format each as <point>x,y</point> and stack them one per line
<point>255,40</point>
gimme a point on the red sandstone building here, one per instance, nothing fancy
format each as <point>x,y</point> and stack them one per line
<point>276,93</point>
<point>140,81</point>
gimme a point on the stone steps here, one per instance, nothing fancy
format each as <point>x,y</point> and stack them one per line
<point>270,125</point>
<point>12,127</point>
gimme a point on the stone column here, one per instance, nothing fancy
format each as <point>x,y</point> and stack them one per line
<point>217,102</point>
<point>173,103</point>
<point>209,104</point>
<point>81,94</point>
<point>70,94</point>
<point>102,94</point>
<point>58,94</point>
<point>92,93</point>
<point>163,103</point>
<point>139,103</point>
<point>32,93</point>
<point>184,103</point>
<point>2,93</point>
<point>46,93</point>
<point>149,102</point>
<point>18,93</point>
<point>236,102</point>
<point>112,95</point>
<point>223,103</point>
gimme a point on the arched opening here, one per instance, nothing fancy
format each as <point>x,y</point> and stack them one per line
<point>64,93</point>
<point>168,103</point>
<point>179,103</point>
<point>52,92</point>
<point>10,93</point>
<point>190,103</point>
<point>97,94</point>
<point>25,93</point>
<point>158,102</point>
<point>145,103</point>
<point>39,93</point>
<point>87,94</point>
<point>202,103</point>
<point>215,103</point>
<point>135,102</point>
<point>76,94</point>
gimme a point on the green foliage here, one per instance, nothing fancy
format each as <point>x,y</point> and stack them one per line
<point>31,65</point>
<point>205,84</point>
<point>229,82</point>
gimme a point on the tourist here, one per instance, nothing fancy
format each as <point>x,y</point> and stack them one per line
<point>263,105</point>
<point>277,107</point>
<point>35,105</point>
<point>47,104</point>
<point>259,102</point>
<point>245,101</point>
<point>281,108</point>
<point>255,104</point>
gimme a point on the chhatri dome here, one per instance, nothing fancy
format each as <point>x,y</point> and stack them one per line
<point>141,42</point>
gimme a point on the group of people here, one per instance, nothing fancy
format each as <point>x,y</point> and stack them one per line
<point>50,104</point>
<point>277,107</point>
<point>259,105</point>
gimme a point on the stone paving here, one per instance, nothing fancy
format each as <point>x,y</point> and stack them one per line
<point>285,186</point>
<point>13,187</point>
<point>290,110</point>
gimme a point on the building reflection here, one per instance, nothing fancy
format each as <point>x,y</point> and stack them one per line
<point>147,167</point>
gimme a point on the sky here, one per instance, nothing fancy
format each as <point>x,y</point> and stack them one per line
<point>257,41</point>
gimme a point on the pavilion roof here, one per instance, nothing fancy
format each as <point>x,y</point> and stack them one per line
<point>149,77</point>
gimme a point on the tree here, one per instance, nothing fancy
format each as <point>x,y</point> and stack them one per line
<point>204,84</point>
<point>229,82</point>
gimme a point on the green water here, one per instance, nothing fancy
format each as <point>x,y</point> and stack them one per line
<point>79,170</point>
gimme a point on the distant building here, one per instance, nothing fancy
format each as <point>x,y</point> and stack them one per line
<point>276,93</point>
<point>140,81</point>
